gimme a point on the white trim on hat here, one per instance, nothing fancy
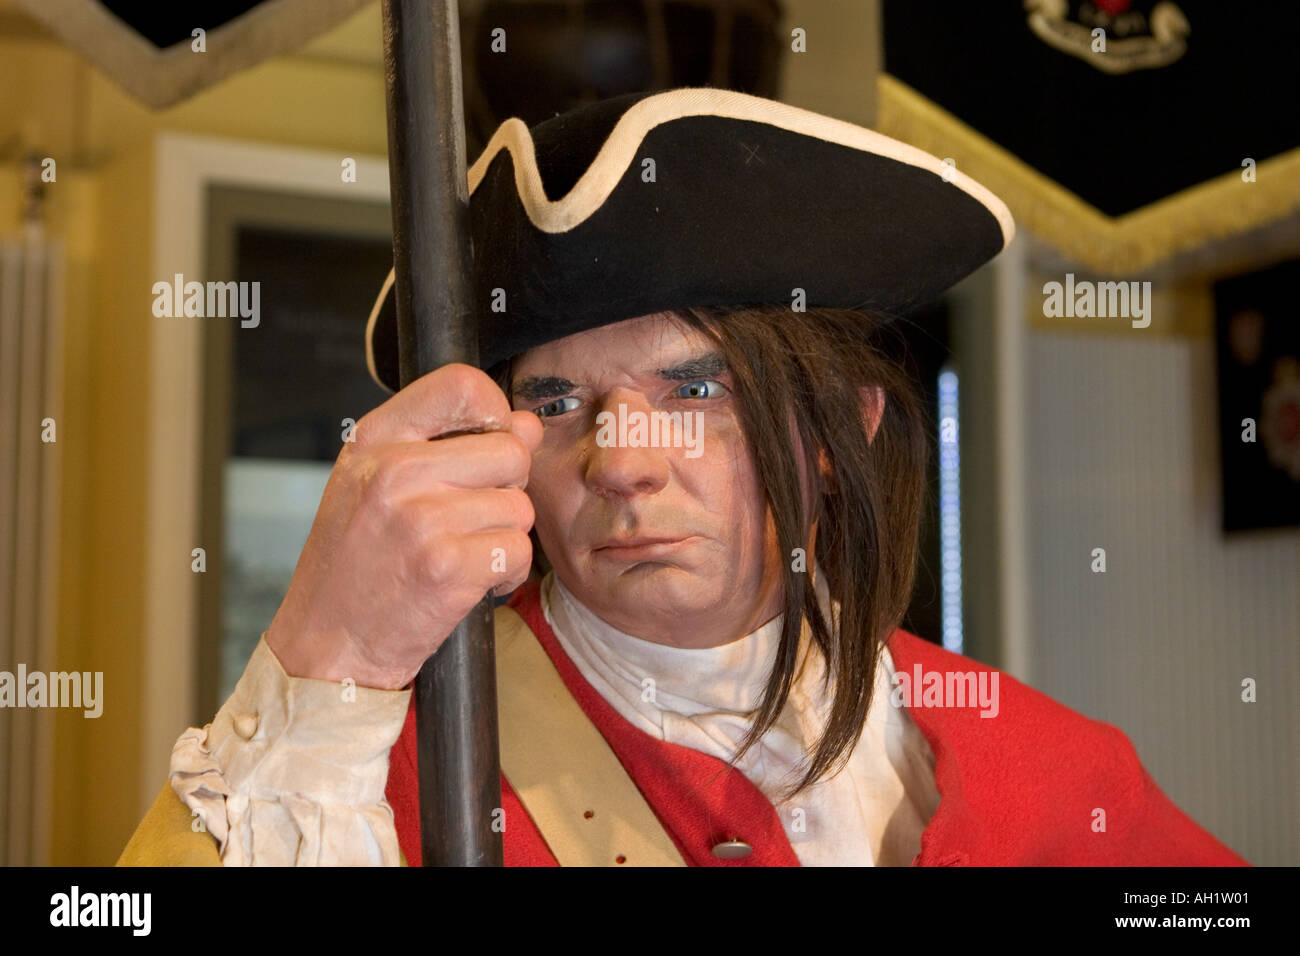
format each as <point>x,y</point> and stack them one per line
<point>370,327</point>
<point>620,149</point>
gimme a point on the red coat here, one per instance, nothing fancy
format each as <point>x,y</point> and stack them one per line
<point>1019,789</point>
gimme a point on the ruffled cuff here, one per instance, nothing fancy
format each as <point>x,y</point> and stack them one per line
<point>292,771</point>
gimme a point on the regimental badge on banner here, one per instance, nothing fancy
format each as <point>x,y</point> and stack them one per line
<point>1115,36</point>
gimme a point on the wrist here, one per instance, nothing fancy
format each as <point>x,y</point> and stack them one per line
<point>328,657</point>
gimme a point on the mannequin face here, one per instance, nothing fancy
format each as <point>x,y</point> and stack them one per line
<point>670,544</point>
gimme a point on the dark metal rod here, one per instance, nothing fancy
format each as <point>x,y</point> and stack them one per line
<point>455,692</point>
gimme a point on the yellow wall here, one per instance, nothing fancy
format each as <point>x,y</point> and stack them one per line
<point>101,207</point>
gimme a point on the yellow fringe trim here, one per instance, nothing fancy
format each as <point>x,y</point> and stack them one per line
<point>1217,209</point>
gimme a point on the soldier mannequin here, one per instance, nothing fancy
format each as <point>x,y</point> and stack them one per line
<point>811,443</point>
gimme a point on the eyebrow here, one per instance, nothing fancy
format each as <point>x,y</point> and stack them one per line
<point>701,366</point>
<point>535,387</point>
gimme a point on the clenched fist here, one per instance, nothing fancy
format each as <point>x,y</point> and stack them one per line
<point>411,533</point>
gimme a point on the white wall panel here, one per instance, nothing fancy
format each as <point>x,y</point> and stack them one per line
<point>1123,455</point>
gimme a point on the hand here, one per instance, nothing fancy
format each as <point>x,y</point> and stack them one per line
<point>411,533</point>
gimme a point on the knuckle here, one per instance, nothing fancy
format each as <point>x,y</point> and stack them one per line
<point>519,547</point>
<point>480,394</point>
<point>362,433</point>
<point>457,377</point>
<point>523,512</point>
<point>524,562</point>
<point>374,474</point>
<point>350,457</point>
<point>513,455</point>
<point>517,550</point>
<point>442,564</point>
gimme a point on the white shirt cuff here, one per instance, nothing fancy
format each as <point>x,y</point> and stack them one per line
<point>292,771</point>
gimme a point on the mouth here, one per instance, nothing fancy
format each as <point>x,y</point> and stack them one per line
<point>642,547</point>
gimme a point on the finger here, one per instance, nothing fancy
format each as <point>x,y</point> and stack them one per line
<point>509,559</point>
<point>528,427</point>
<point>452,398</point>
<point>412,470</point>
<point>493,559</point>
<point>476,511</point>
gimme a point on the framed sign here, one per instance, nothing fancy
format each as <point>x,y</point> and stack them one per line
<point>1258,342</point>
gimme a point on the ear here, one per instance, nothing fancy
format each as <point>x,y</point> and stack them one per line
<point>873,410</point>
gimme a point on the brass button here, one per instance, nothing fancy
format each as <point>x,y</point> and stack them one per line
<point>732,850</point>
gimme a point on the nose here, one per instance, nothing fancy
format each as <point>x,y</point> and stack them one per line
<point>617,466</point>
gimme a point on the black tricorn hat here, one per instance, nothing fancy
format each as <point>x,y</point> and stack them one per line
<point>649,202</point>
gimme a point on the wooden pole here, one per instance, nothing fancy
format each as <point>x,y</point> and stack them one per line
<point>455,692</point>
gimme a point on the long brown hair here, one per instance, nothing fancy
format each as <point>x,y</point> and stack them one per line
<point>805,369</point>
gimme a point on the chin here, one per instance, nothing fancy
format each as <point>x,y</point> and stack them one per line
<point>639,600</point>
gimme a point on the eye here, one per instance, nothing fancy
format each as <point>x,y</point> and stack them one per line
<point>557,407</point>
<point>705,388</point>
